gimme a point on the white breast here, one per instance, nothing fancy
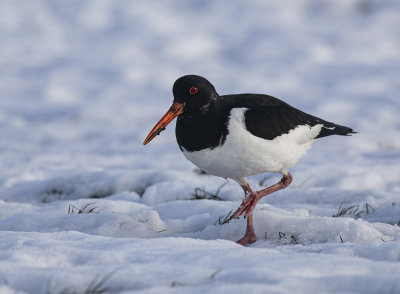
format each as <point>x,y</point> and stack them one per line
<point>244,154</point>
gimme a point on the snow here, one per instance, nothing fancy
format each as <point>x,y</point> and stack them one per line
<point>82,83</point>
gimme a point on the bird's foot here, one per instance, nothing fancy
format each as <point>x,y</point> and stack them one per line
<point>247,206</point>
<point>252,198</point>
<point>248,238</point>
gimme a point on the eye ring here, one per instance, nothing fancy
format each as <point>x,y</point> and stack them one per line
<point>193,90</point>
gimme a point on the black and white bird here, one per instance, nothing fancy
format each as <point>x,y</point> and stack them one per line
<point>235,136</point>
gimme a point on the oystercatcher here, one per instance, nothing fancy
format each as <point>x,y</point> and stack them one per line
<point>235,136</point>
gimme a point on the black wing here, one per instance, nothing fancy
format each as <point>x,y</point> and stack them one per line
<point>268,117</point>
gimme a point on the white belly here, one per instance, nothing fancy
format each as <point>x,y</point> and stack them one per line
<point>244,154</point>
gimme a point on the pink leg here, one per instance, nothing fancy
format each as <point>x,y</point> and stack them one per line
<point>252,198</point>
<point>249,237</point>
<point>250,202</point>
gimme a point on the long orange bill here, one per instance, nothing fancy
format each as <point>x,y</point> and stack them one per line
<point>175,110</point>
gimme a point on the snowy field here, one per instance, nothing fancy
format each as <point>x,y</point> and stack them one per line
<point>86,208</point>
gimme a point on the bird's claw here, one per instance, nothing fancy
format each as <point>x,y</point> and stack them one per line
<point>246,207</point>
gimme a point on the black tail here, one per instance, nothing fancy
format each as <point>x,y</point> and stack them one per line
<point>333,129</point>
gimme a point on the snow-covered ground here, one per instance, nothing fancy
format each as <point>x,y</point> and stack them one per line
<point>83,82</point>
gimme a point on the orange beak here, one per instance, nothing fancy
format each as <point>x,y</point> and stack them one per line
<point>175,110</point>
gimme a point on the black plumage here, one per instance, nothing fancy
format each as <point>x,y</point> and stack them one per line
<point>266,117</point>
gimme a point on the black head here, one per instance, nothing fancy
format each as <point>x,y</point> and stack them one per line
<point>197,93</point>
<point>192,95</point>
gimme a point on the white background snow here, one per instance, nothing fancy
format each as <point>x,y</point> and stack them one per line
<point>83,82</point>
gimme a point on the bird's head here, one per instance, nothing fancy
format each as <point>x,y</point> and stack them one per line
<point>192,94</point>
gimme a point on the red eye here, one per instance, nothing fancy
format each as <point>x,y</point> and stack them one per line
<point>193,90</point>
